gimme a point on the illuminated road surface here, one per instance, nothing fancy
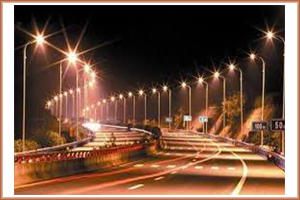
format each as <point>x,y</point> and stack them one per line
<point>189,165</point>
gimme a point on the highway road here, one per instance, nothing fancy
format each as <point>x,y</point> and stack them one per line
<point>190,164</point>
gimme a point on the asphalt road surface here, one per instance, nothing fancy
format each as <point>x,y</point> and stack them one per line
<point>190,164</point>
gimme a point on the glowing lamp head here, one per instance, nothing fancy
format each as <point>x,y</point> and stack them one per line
<point>92,106</point>
<point>130,94</point>
<point>200,80</point>
<point>91,83</point>
<point>65,93</point>
<point>121,96</point>
<point>104,100</point>
<point>98,103</point>
<point>252,56</point>
<point>93,75</point>
<point>141,92</point>
<point>217,74</point>
<point>39,39</point>
<point>72,57</point>
<point>154,90</point>
<point>165,88</point>
<point>87,109</point>
<point>270,35</point>
<point>56,98</point>
<point>112,98</point>
<point>78,90</point>
<point>183,85</point>
<point>87,68</point>
<point>49,103</point>
<point>71,91</point>
<point>231,67</point>
<point>60,96</point>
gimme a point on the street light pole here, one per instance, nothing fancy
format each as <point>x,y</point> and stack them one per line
<point>60,100</point>
<point>145,109</point>
<point>77,104</point>
<point>184,85</point>
<point>66,95</point>
<point>253,56</point>
<point>201,80</point>
<point>158,105</point>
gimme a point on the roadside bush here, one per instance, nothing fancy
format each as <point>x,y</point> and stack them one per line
<point>29,145</point>
<point>54,139</point>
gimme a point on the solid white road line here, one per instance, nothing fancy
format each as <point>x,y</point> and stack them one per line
<point>214,167</point>
<point>136,186</point>
<point>231,168</point>
<point>199,167</point>
<point>159,178</point>
<point>175,172</point>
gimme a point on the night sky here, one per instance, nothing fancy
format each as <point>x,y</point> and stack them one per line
<point>149,45</point>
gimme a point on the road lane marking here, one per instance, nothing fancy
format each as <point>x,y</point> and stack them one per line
<point>194,160</point>
<point>136,186</point>
<point>167,154</point>
<point>199,167</point>
<point>175,172</point>
<point>155,166</point>
<point>171,166</point>
<point>159,178</point>
<point>214,168</point>
<point>184,167</point>
<point>231,168</point>
<point>139,165</point>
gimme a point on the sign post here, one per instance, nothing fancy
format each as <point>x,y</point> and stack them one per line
<point>277,125</point>
<point>203,119</point>
<point>259,126</point>
<point>187,118</point>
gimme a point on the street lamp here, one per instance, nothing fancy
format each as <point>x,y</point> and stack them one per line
<point>66,95</point>
<point>184,85</point>
<point>39,39</point>
<point>202,81</point>
<point>218,75</point>
<point>112,99</point>
<point>253,57</point>
<point>104,103</point>
<point>124,107</point>
<point>133,106</point>
<point>270,35</point>
<point>154,91</point>
<point>56,105</point>
<point>141,93</point>
<point>232,67</point>
<point>165,89</point>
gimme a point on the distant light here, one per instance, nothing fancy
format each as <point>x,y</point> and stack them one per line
<point>49,103</point>
<point>216,74</point>
<point>39,39</point>
<point>92,106</point>
<point>104,100</point>
<point>87,108</point>
<point>60,96</point>
<point>72,57</point>
<point>56,98</point>
<point>91,83</point>
<point>78,90</point>
<point>87,68</point>
<point>93,75</point>
<point>112,98</point>
<point>200,80</point>
<point>141,92</point>
<point>183,84</point>
<point>65,93</point>
<point>154,90</point>
<point>165,88</point>
<point>130,94</point>
<point>231,67</point>
<point>121,96</point>
<point>99,103</point>
<point>252,56</point>
<point>270,35</point>
<point>71,91</point>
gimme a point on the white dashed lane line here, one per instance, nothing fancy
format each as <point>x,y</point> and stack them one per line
<point>175,172</point>
<point>136,186</point>
<point>155,166</point>
<point>199,167</point>
<point>231,168</point>
<point>214,168</point>
<point>171,166</point>
<point>139,165</point>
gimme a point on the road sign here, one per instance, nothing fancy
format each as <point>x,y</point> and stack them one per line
<point>187,118</point>
<point>277,125</point>
<point>169,119</point>
<point>203,119</point>
<point>259,126</point>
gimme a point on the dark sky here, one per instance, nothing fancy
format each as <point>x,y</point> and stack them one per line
<point>152,44</point>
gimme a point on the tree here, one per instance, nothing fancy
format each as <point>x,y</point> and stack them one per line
<point>233,108</point>
<point>29,145</point>
<point>178,117</point>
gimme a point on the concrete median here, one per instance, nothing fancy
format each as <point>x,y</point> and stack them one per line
<point>54,165</point>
